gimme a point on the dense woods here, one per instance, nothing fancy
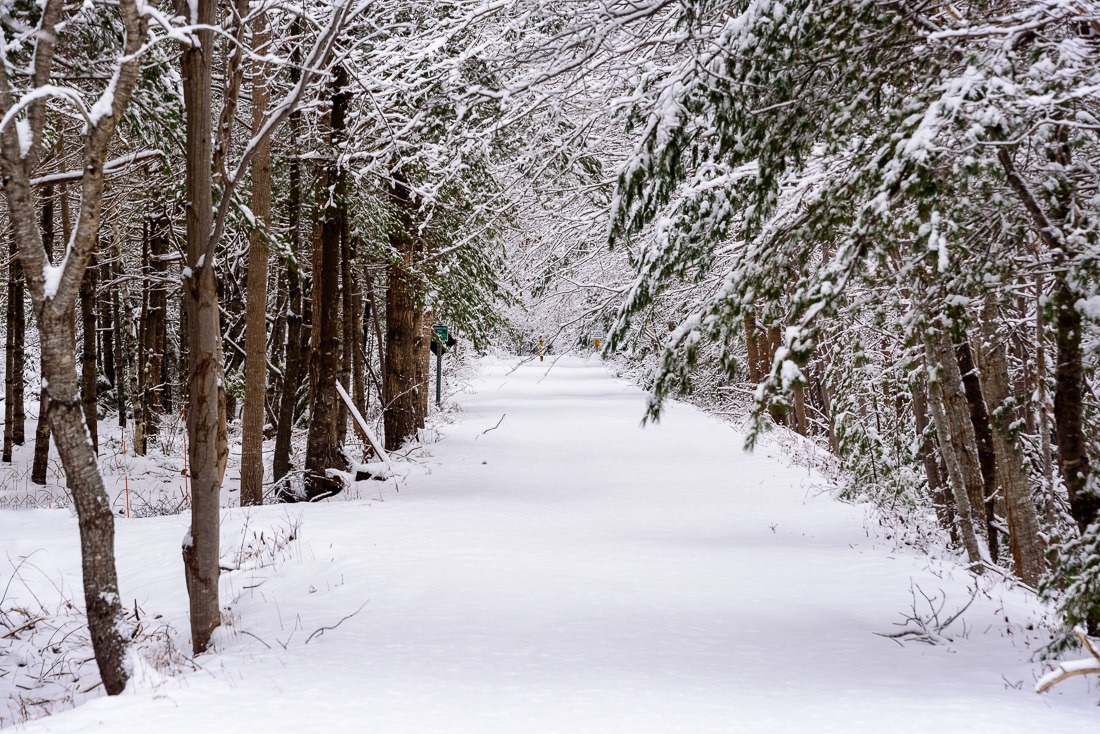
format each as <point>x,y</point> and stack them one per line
<point>873,224</point>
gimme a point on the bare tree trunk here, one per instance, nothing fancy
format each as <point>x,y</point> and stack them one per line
<point>800,409</point>
<point>295,336</point>
<point>1069,413</point>
<point>956,436</point>
<point>41,462</point>
<point>424,368</point>
<point>777,413</point>
<point>106,326</point>
<point>293,368</point>
<point>122,353</point>
<point>255,363</point>
<point>88,372</point>
<point>404,304</point>
<point>19,355</point>
<point>752,348</point>
<point>128,337</point>
<point>355,299</point>
<point>323,451</point>
<point>54,300</point>
<point>1025,542</point>
<point>1042,400</point>
<point>200,295</point>
<point>155,327</point>
<point>347,336</point>
<point>983,435</point>
<point>9,356</point>
<point>941,497</point>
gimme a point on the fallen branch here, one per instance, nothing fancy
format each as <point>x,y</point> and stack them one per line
<point>927,626</point>
<point>1072,668</point>
<point>22,627</point>
<point>361,424</point>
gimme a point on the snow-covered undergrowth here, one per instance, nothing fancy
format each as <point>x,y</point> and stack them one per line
<point>549,566</point>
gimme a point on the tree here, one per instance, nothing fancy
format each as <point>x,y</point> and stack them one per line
<point>54,290</point>
<point>207,444</point>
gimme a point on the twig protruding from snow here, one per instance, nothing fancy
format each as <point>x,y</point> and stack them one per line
<point>491,429</point>
<point>320,631</point>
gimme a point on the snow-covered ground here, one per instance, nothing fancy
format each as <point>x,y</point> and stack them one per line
<point>550,566</point>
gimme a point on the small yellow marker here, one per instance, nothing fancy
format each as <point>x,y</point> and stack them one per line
<point>597,344</point>
<point>540,348</point>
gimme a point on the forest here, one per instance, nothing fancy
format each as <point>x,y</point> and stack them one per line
<point>870,225</point>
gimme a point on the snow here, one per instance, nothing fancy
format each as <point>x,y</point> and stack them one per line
<point>567,570</point>
<point>51,274</point>
<point>104,106</point>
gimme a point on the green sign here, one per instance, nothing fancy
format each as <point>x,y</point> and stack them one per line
<point>442,333</point>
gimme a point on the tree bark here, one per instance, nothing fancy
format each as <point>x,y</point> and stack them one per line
<point>404,305</point>
<point>1041,411</point>
<point>255,362</point>
<point>88,371</point>
<point>1025,542</point>
<point>347,336</point>
<point>424,368</point>
<point>955,434</point>
<point>19,355</point>
<point>9,358</point>
<point>53,295</point>
<point>323,450</point>
<point>983,435</point>
<point>1069,413</point>
<point>122,345</point>
<point>292,370</point>
<point>941,497</point>
<point>40,465</point>
<point>152,334</point>
<point>200,296</point>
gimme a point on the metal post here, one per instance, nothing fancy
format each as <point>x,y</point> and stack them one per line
<point>439,376</point>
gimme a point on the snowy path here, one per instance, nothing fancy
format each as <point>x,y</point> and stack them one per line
<point>571,572</point>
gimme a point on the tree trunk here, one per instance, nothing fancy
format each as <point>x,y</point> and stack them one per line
<point>41,462</point>
<point>122,342</point>
<point>752,350</point>
<point>88,372</point>
<point>9,356</point>
<point>1041,411</point>
<point>200,296</point>
<point>424,368</point>
<point>347,336</point>
<point>19,355</point>
<point>404,304</point>
<point>1069,413</point>
<point>1025,542</point>
<point>255,362</point>
<point>355,300</point>
<point>956,436</point>
<point>94,518</point>
<point>293,368</point>
<point>54,302</point>
<point>128,336</point>
<point>106,324</point>
<point>153,327</point>
<point>941,497</point>
<point>778,414</point>
<point>323,451</point>
<point>983,434</point>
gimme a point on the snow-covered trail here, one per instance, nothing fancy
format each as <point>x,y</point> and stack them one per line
<point>569,571</point>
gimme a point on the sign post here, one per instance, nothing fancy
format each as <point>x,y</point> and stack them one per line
<point>441,340</point>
